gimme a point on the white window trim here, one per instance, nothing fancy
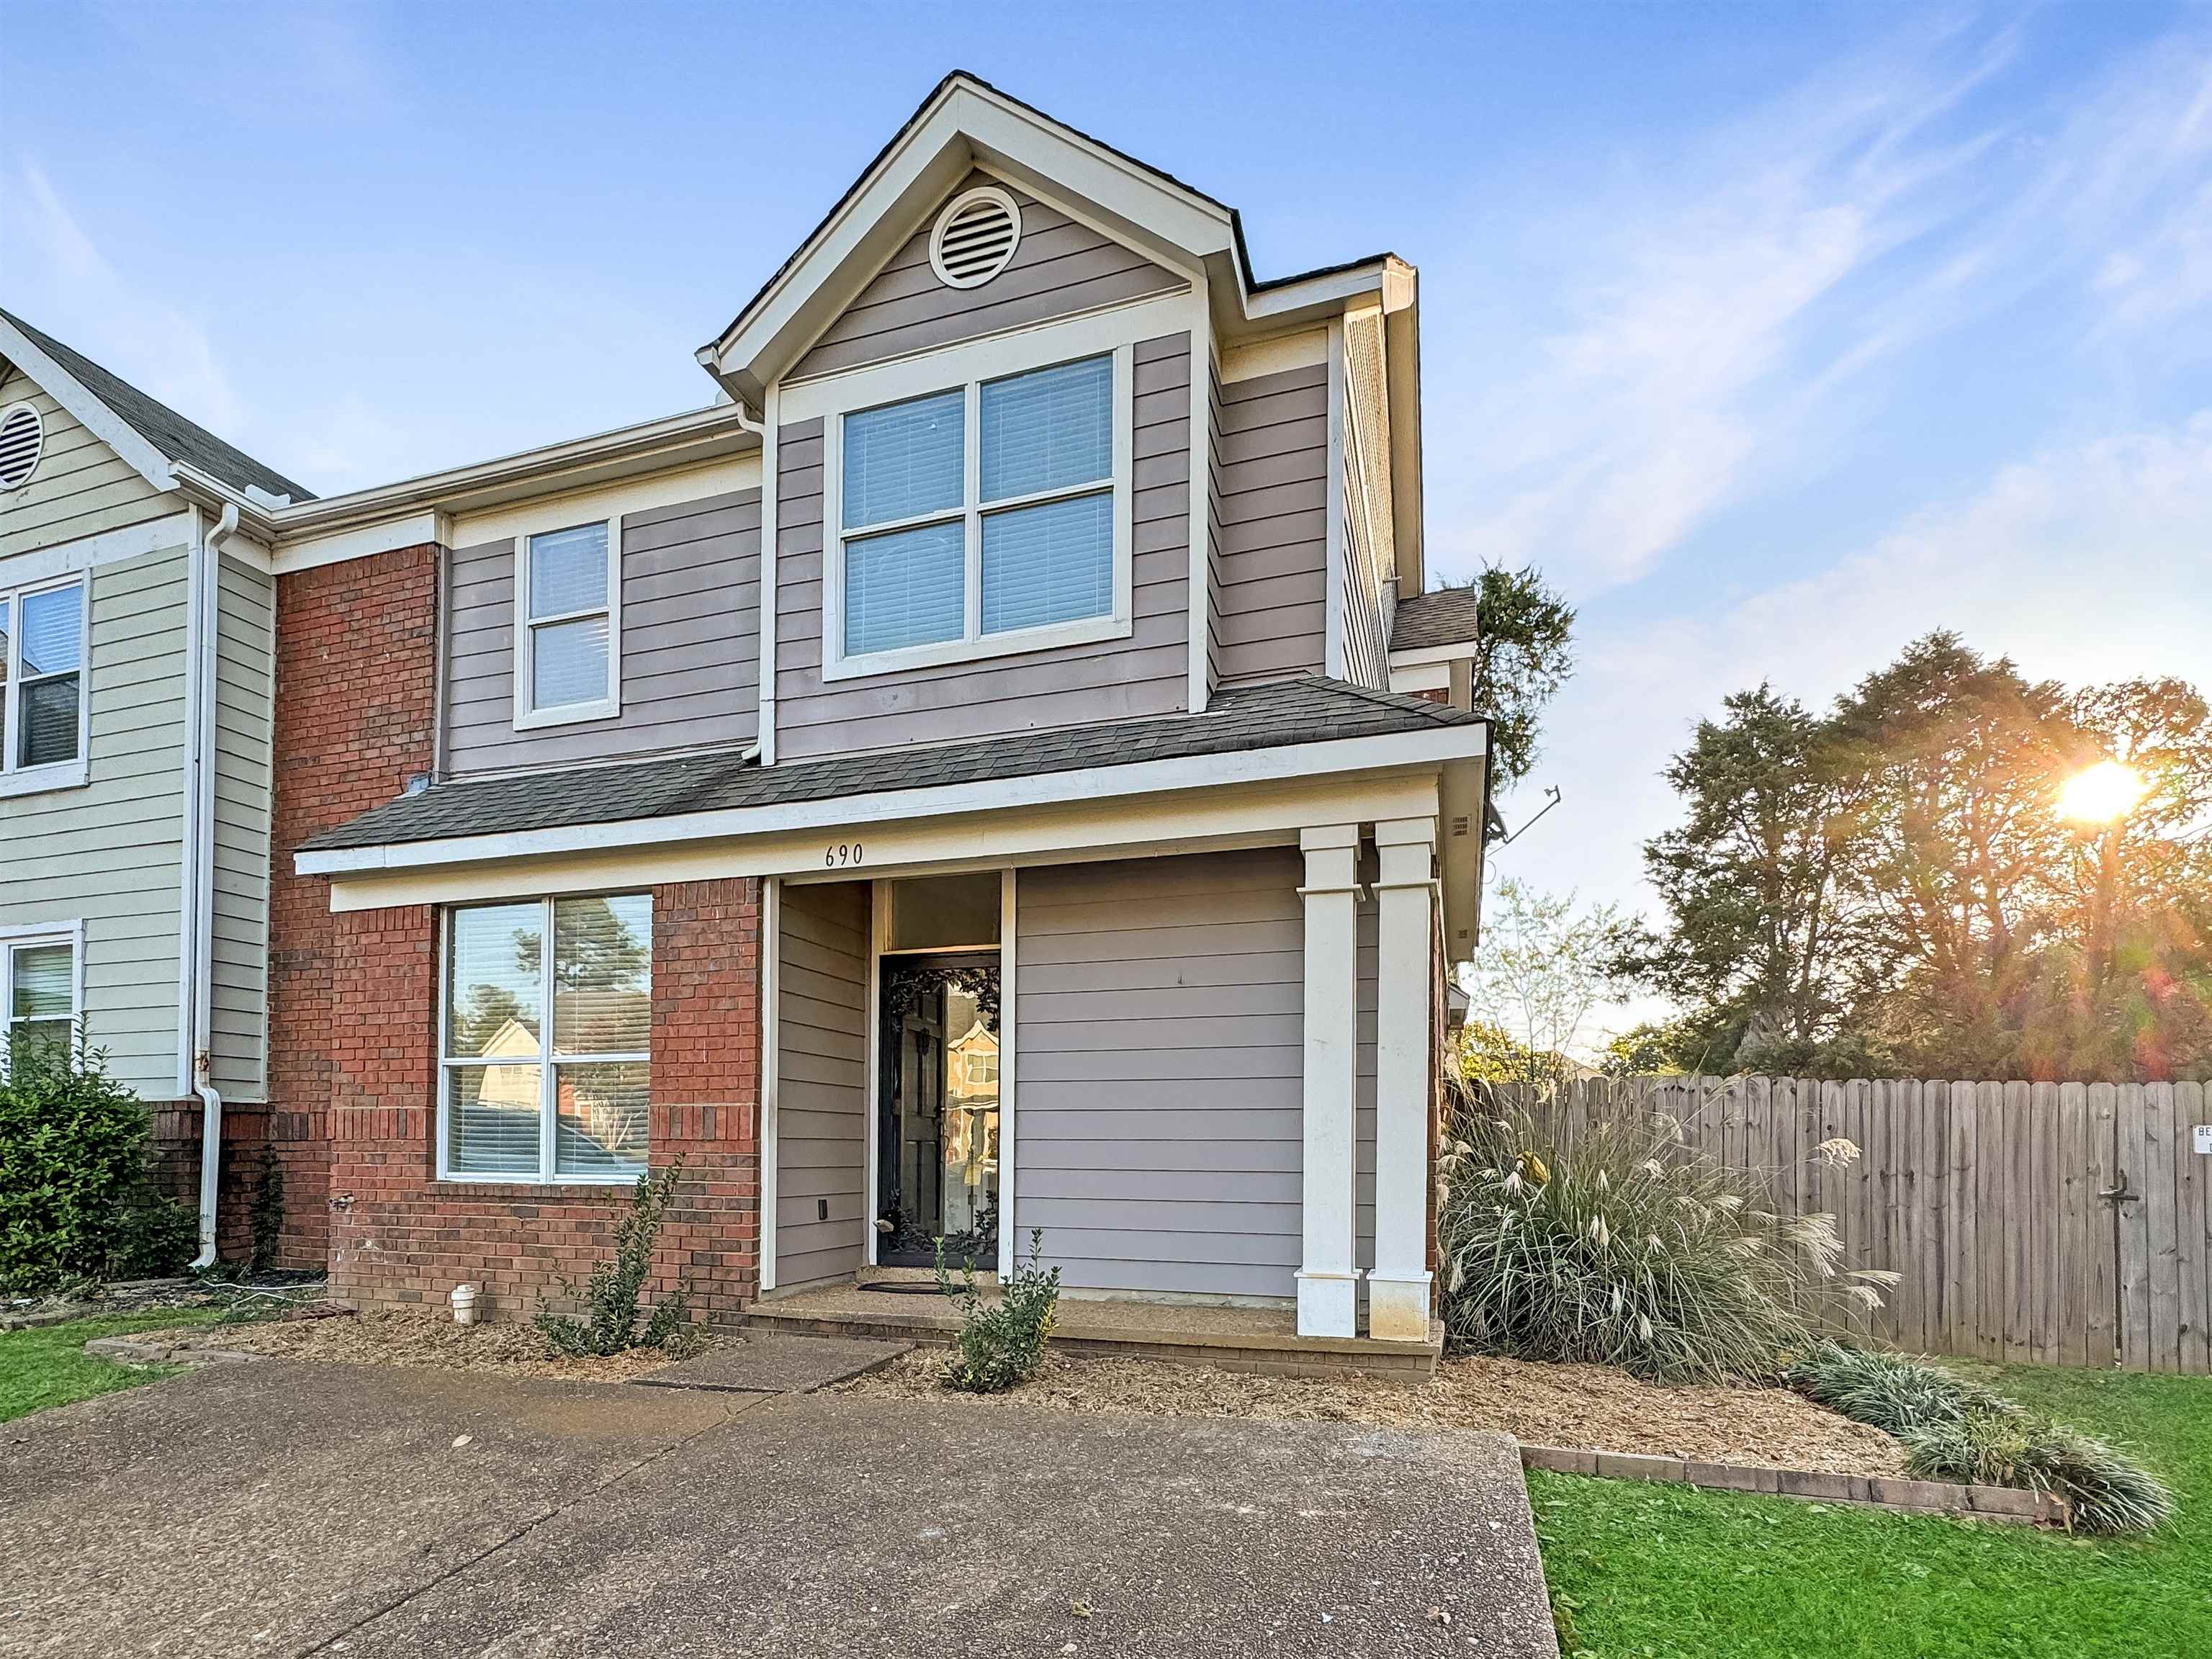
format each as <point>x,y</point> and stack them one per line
<point>54,775</point>
<point>528,717</point>
<point>14,938</point>
<point>968,369</point>
<point>548,1063</point>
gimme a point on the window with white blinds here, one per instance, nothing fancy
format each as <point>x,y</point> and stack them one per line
<point>547,1035</point>
<point>37,1000</point>
<point>42,651</point>
<point>567,625</point>
<point>980,519</point>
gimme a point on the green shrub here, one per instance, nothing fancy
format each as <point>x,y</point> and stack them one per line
<point>1955,1429</point>
<point>610,1298</point>
<point>77,1198</point>
<point>1001,1344</point>
<point>1625,1251</point>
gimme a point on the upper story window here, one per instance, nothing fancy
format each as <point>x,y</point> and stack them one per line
<point>568,633</point>
<point>548,1033</point>
<point>38,998</point>
<point>982,518</point>
<point>42,652</point>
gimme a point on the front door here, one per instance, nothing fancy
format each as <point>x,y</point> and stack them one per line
<point>936,1163</point>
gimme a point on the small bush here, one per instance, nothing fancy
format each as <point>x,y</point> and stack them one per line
<point>76,1199</point>
<point>610,1325</point>
<point>1955,1429</point>
<point>1627,1251</point>
<point>1001,1344</point>
<point>268,1211</point>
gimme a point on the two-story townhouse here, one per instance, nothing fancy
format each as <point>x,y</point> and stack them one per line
<point>951,785</point>
<point>136,652</point>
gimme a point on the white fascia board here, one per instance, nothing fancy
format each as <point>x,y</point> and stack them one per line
<point>1218,819</point>
<point>1337,758</point>
<point>309,530</point>
<point>1423,677</point>
<point>103,423</point>
<point>969,125</point>
<point>1453,651</point>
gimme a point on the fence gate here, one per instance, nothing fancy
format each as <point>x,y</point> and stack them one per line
<point>2057,1224</point>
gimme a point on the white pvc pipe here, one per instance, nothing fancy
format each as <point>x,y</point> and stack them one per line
<point>199,711</point>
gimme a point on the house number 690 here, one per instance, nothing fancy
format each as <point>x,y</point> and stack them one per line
<point>843,853</point>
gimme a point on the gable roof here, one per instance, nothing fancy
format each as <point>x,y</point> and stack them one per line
<point>170,436</point>
<point>966,120</point>
<point>1447,616</point>
<point>1285,713</point>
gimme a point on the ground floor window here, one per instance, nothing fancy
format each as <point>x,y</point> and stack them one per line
<point>38,997</point>
<point>547,1028</point>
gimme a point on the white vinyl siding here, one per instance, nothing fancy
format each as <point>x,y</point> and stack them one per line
<point>109,854</point>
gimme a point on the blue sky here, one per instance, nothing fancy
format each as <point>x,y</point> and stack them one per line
<point>1775,335</point>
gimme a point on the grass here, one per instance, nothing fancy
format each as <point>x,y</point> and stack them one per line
<point>48,1366</point>
<point>1668,1572</point>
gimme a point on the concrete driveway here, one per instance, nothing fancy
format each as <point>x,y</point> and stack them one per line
<point>292,1508</point>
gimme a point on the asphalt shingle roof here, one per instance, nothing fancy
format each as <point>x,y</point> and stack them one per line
<point>1309,709</point>
<point>1446,616</point>
<point>178,439</point>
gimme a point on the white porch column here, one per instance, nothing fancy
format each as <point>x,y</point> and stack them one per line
<point>1398,1288</point>
<point>1329,1283</point>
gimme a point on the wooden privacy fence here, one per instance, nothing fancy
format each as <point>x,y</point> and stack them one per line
<point>2064,1223</point>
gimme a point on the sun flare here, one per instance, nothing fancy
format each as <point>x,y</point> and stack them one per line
<point>2104,794</point>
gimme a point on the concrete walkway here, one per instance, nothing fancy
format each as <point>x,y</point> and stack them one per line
<point>289,1508</point>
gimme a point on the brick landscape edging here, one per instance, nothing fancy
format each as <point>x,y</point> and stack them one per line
<point>1880,1491</point>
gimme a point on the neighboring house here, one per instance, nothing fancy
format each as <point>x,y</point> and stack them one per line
<point>1004,666</point>
<point>135,652</point>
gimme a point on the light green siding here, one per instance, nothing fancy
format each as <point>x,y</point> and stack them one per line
<point>244,670</point>
<point>79,487</point>
<point>109,854</point>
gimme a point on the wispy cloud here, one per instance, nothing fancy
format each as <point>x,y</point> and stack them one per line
<point>63,281</point>
<point>1708,313</point>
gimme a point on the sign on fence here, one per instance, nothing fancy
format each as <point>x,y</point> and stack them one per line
<point>2062,1223</point>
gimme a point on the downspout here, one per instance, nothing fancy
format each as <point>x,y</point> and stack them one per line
<point>205,580</point>
<point>764,700</point>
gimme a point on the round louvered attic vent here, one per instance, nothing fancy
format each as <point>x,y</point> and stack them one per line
<point>976,236</point>
<point>23,435</point>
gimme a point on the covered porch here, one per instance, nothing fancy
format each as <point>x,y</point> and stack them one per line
<point>1206,1074</point>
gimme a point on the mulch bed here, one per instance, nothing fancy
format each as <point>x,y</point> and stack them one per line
<point>420,1340</point>
<point>1590,1405</point>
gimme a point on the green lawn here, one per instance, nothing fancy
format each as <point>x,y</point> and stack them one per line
<point>48,1366</point>
<point>1671,1572</point>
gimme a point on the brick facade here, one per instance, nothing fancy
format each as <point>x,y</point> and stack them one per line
<point>352,1011</point>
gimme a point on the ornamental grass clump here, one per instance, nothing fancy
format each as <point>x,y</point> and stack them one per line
<point>1955,1429</point>
<point>1627,1249</point>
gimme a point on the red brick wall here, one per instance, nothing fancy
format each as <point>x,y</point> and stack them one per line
<point>356,690</point>
<point>399,1236</point>
<point>354,1000</point>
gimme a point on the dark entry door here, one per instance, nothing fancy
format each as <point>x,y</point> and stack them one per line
<point>936,1155</point>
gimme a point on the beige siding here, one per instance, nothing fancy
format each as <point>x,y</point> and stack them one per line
<point>690,643</point>
<point>244,670</point>
<point>1158,1047</point>
<point>821,1082</point>
<point>109,854</point>
<point>1060,268</point>
<point>1146,673</point>
<point>1272,554</point>
<point>81,486</point>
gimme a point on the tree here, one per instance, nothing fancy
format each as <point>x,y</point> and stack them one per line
<point>1543,966</point>
<point>1763,936</point>
<point>1524,653</point>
